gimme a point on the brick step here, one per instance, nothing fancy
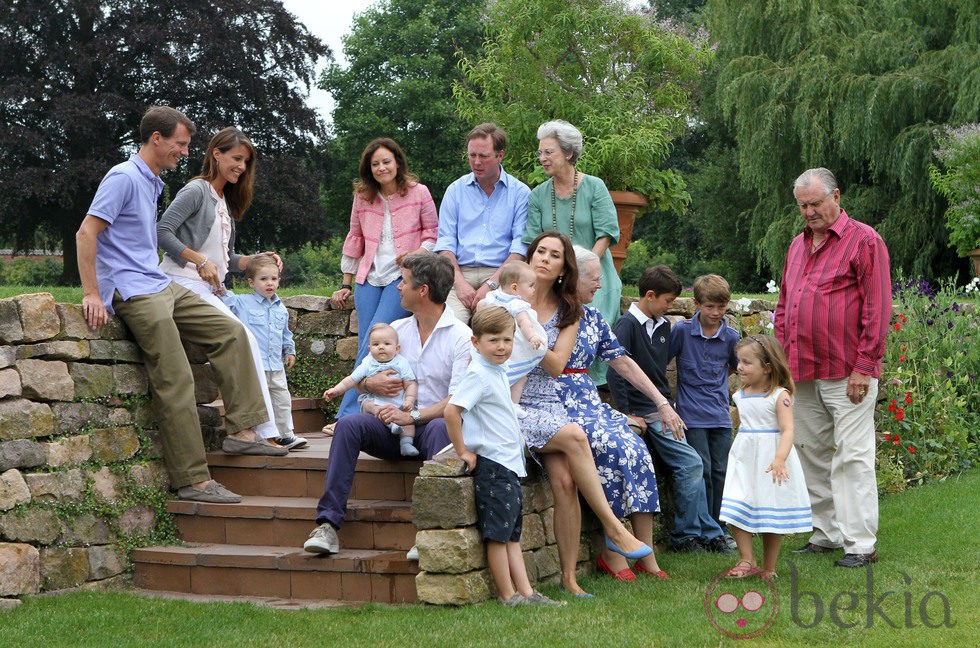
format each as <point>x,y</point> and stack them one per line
<point>353,575</point>
<point>301,473</point>
<point>287,522</point>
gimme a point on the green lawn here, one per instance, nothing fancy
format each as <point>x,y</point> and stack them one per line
<point>929,546</point>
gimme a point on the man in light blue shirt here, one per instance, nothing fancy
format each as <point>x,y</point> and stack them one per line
<point>119,269</point>
<point>481,221</point>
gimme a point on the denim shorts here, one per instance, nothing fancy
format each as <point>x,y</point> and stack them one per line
<point>498,501</point>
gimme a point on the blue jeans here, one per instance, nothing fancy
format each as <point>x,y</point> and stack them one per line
<point>373,305</point>
<point>365,433</point>
<point>691,517</point>
<point>713,445</point>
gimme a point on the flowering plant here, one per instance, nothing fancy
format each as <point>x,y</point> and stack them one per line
<point>959,154</point>
<point>928,414</point>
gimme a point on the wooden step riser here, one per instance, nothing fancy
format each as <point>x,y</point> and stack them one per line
<point>300,585</point>
<point>355,534</point>
<point>310,483</point>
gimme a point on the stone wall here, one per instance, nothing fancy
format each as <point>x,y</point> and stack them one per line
<point>81,479</point>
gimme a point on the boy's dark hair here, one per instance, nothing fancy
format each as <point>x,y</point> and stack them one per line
<point>492,320</point>
<point>163,119</point>
<point>712,288</point>
<point>432,270</point>
<point>661,280</point>
<point>258,262</point>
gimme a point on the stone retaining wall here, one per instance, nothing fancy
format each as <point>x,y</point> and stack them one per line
<point>81,475</point>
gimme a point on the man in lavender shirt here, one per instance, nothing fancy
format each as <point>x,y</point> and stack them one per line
<point>119,268</point>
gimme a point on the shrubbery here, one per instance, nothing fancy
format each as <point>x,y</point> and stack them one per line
<point>25,271</point>
<point>928,417</point>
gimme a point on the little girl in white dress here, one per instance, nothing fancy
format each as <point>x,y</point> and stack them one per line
<point>764,487</point>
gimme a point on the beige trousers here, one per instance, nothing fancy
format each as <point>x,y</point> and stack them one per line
<point>836,443</point>
<point>475,276</point>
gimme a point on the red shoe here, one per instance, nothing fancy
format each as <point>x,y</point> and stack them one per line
<point>643,570</point>
<point>622,575</point>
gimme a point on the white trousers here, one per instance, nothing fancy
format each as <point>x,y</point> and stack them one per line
<point>836,442</point>
<point>282,401</point>
<point>265,430</point>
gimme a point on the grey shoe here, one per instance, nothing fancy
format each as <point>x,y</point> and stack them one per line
<point>233,445</point>
<point>213,493</point>
<point>515,600</point>
<point>323,540</point>
<point>537,598</point>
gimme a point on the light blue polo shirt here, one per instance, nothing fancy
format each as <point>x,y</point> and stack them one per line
<point>126,257</point>
<point>489,420</point>
<point>483,230</point>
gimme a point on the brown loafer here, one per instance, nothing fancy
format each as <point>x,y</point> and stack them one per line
<point>234,445</point>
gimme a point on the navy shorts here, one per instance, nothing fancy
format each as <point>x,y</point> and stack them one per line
<point>499,502</point>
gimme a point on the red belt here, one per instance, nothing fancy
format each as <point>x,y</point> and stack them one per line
<point>569,370</point>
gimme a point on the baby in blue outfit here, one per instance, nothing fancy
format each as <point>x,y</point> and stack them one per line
<point>382,355</point>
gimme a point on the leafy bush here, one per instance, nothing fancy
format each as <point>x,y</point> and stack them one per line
<point>314,265</point>
<point>28,272</point>
<point>959,153</point>
<point>639,257</point>
<point>928,417</point>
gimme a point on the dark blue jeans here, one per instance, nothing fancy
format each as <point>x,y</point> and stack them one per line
<point>365,433</point>
<point>713,445</point>
<point>691,516</point>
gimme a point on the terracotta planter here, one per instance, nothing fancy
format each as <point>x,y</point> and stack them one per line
<point>975,257</point>
<point>628,203</point>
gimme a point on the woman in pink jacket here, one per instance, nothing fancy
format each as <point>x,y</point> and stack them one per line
<point>393,215</point>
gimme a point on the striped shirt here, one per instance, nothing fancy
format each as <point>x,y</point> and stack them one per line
<point>835,304</point>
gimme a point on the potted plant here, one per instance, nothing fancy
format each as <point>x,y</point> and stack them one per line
<point>959,183</point>
<point>623,79</point>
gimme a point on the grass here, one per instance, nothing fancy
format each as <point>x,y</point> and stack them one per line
<point>928,544</point>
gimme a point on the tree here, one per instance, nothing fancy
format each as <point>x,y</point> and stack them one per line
<point>402,63</point>
<point>624,80</point>
<point>76,76</point>
<point>858,86</point>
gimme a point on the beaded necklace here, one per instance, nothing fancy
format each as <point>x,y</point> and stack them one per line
<point>554,212</point>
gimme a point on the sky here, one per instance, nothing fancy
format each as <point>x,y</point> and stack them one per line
<point>329,20</point>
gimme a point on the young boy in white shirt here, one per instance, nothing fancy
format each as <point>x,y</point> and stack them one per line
<point>482,424</point>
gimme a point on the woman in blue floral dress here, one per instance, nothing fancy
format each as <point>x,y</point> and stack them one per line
<point>622,459</point>
<point>559,444</point>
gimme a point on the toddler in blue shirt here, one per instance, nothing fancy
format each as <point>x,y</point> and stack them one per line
<point>268,320</point>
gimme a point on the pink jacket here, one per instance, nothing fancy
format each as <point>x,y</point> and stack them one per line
<point>413,221</point>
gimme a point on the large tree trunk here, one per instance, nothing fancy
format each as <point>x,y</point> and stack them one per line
<point>69,274</point>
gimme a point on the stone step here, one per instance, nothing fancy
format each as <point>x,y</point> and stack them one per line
<point>353,575</point>
<point>287,522</point>
<point>308,416</point>
<point>301,473</point>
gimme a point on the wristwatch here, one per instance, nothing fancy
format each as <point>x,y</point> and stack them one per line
<point>416,416</point>
<point>347,286</point>
<point>493,284</point>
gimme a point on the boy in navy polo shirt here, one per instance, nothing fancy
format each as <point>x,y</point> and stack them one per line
<point>482,424</point>
<point>705,350</point>
<point>645,332</point>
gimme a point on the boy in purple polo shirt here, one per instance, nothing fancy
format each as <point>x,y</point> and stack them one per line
<point>705,350</point>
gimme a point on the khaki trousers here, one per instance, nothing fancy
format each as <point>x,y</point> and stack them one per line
<point>282,401</point>
<point>836,443</point>
<point>158,322</point>
<point>475,276</point>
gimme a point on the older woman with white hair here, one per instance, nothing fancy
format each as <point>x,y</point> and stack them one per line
<point>622,459</point>
<point>578,205</point>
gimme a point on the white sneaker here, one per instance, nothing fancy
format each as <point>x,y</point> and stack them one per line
<point>290,442</point>
<point>413,554</point>
<point>323,540</point>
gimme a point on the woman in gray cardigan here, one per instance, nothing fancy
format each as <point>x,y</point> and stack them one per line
<point>197,234</point>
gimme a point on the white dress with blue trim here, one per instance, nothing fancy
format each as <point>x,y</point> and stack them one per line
<point>752,501</point>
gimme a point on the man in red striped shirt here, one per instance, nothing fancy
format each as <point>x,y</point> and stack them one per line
<point>832,319</point>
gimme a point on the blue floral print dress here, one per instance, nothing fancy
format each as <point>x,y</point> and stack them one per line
<point>621,457</point>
